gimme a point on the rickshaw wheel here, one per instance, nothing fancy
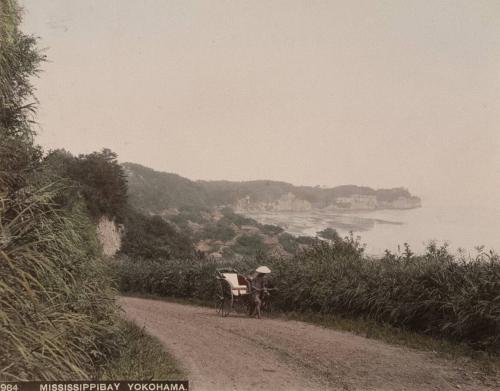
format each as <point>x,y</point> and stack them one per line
<point>219,303</point>
<point>227,306</point>
<point>219,300</point>
<point>267,306</point>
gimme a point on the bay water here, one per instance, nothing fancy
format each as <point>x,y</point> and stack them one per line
<point>461,227</point>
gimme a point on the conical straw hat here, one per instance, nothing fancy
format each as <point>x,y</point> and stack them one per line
<point>263,270</point>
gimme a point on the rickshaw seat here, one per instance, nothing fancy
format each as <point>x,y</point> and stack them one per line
<point>234,281</point>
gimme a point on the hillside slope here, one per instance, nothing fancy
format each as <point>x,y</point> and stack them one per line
<point>158,192</point>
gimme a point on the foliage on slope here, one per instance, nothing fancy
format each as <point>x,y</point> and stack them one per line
<point>151,237</point>
<point>57,312</point>
<point>228,234</point>
<point>57,308</point>
<point>97,177</point>
<point>156,192</point>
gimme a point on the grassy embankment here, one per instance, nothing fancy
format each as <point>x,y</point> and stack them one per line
<point>58,311</point>
<point>58,316</point>
<point>141,357</point>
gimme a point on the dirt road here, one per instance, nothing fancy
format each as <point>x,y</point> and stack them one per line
<point>239,353</point>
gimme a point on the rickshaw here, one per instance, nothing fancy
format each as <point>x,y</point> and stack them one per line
<point>234,291</point>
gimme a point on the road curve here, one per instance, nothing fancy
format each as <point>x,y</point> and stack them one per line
<point>239,353</point>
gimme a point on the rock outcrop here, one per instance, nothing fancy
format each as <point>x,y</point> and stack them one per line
<point>289,202</point>
<point>286,203</point>
<point>110,236</point>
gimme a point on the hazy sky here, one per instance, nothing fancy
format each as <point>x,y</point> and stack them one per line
<point>378,93</point>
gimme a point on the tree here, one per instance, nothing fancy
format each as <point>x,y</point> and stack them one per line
<point>151,237</point>
<point>329,234</point>
<point>98,177</point>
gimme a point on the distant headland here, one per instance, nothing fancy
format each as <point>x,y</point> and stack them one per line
<point>157,192</point>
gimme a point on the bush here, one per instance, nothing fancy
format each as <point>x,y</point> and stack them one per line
<point>249,245</point>
<point>270,229</point>
<point>434,293</point>
<point>288,242</point>
<point>176,278</point>
<point>233,218</point>
<point>329,234</point>
<point>151,237</point>
<point>218,231</point>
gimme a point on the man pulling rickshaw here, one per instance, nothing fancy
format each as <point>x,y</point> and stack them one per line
<point>259,290</point>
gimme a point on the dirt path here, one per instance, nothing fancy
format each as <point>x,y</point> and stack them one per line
<point>239,353</point>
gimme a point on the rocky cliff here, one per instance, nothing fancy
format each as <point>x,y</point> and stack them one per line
<point>287,202</point>
<point>110,236</point>
<point>291,203</point>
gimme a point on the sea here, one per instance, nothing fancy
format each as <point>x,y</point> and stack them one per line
<point>463,229</point>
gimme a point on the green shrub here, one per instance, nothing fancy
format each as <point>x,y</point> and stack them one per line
<point>176,278</point>
<point>270,229</point>
<point>435,293</point>
<point>288,242</point>
<point>218,231</point>
<point>329,234</point>
<point>151,237</point>
<point>233,218</point>
<point>249,245</point>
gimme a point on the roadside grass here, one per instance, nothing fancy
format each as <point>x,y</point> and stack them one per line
<point>141,357</point>
<point>487,364</point>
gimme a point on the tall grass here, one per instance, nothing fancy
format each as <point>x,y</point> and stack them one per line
<point>141,357</point>
<point>436,293</point>
<point>189,278</point>
<point>57,311</point>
